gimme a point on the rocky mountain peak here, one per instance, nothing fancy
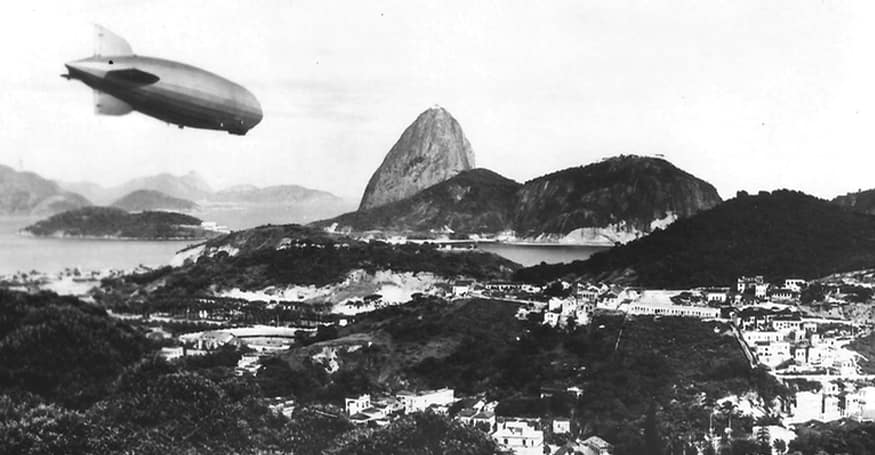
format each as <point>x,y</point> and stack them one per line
<point>431,150</point>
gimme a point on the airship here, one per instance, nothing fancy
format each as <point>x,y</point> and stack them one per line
<point>173,92</point>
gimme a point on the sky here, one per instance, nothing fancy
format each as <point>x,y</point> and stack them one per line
<point>748,95</point>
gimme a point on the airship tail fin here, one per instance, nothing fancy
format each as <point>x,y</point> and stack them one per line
<point>107,43</point>
<point>106,104</point>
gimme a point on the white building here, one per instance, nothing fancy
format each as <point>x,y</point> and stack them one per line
<point>773,353</point>
<point>522,437</point>
<point>663,309</point>
<point>595,445</point>
<point>561,426</point>
<point>795,284</point>
<point>759,336</point>
<point>356,405</point>
<point>551,318</point>
<point>420,401</point>
<point>716,296</point>
<point>462,287</point>
<point>809,406</point>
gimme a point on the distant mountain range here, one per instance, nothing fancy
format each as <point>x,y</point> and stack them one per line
<point>190,186</point>
<point>780,234</point>
<point>26,193</point>
<point>277,194</point>
<point>140,200</point>
<point>193,188</point>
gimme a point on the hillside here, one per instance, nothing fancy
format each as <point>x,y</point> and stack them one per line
<point>61,348</point>
<point>609,202</point>
<point>779,234</point>
<point>473,201</point>
<point>114,223</point>
<point>861,201</point>
<point>141,200</point>
<point>626,192</point>
<point>624,365</point>
<point>26,193</point>
<point>292,255</point>
<point>432,149</point>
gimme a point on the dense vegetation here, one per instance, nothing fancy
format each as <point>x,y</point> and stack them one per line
<point>421,433</point>
<point>839,437</point>
<point>865,346</point>
<point>861,201</point>
<point>778,235</point>
<point>629,190</point>
<point>61,349</point>
<point>72,380</point>
<point>116,223</point>
<point>473,201</point>
<point>294,255</point>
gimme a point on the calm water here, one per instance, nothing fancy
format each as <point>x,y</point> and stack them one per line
<point>53,255</point>
<point>535,254</point>
<point>18,253</point>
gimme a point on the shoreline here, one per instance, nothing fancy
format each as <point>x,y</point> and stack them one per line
<point>525,243</point>
<point>110,238</point>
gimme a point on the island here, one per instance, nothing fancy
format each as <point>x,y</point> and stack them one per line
<point>117,224</point>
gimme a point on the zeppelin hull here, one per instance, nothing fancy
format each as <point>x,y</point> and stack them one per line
<point>172,92</point>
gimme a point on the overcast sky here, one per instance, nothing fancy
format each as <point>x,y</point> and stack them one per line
<point>746,95</point>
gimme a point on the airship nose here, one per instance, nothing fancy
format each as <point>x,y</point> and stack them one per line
<point>255,107</point>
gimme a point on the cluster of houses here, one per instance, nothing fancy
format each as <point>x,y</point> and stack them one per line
<point>785,340</point>
<point>380,410</point>
<point>833,400</point>
<point>515,435</point>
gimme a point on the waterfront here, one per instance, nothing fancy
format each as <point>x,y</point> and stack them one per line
<point>50,255</point>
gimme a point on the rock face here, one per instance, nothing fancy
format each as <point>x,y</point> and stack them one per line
<point>473,201</point>
<point>141,200</point>
<point>26,193</point>
<point>430,150</point>
<point>625,193</point>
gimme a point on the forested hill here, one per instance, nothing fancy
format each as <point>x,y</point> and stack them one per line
<point>778,234</point>
<point>62,349</point>
<point>109,222</point>
<point>290,255</point>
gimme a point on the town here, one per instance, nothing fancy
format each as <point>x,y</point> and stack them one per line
<point>806,346</point>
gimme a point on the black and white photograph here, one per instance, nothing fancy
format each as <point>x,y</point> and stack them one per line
<point>437,227</point>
